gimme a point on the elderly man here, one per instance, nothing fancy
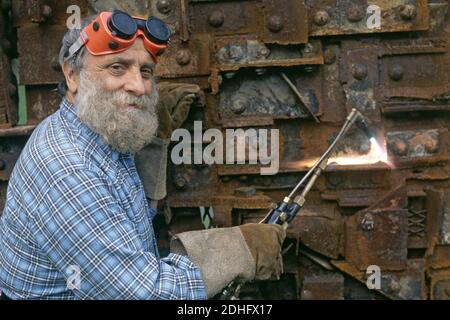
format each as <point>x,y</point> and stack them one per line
<point>77,224</point>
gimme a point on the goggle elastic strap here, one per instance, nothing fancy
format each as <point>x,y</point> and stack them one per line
<point>81,41</point>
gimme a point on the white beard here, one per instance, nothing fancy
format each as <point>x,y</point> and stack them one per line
<point>107,113</point>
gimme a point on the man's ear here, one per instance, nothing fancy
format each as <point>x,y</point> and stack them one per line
<point>72,79</point>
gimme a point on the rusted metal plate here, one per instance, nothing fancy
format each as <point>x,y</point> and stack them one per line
<point>8,107</point>
<point>331,17</point>
<point>409,284</point>
<point>360,77</point>
<point>440,286</point>
<point>42,101</point>
<point>46,11</point>
<point>225,17</point>
<point>183,59</point>
<point>320,228</point>
<point>235,52</point>
<point>251,94</point>
<point>415,146</point>
<point>378,235</point>
<point>323,287</point>
<point>39,64</point>
<point>285,22</point>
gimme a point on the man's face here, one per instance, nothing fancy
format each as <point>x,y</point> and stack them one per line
<point>117,96</point>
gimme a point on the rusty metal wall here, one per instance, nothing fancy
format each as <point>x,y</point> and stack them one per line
<point>394,216</point>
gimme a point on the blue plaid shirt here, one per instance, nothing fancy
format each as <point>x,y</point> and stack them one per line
<point>74,204</point>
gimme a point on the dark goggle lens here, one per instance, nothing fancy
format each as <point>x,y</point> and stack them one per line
<point>157,30</point>
<point>122,24</point>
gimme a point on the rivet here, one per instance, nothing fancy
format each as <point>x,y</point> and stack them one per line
<point>407,11</point>
<point>431,145</point>
<point>216,18</point>
<point>396,72</point>
<point>238,106</point>
<point>321,18</point>
<point>398,147</point>
<point>180,182</point>
<point>113,45</point>
<point>183,57</point>
<point>354,14</point>
<point>46,11</point>
<point>275,23</point>
<point>163,6</point>
<point>95,26</point>
<point>359,71</point>
<point>263,52</point>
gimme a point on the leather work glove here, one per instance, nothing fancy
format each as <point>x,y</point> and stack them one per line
<point>175,100</point>
<point>173,106</point>
<point>244,253</point>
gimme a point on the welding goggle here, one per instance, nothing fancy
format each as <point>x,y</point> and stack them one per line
<point>116,31</point>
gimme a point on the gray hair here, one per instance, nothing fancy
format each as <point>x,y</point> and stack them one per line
<point>76,61</point>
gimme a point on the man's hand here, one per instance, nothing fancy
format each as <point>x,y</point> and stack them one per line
<point>175,100</point>
<point>245,253</point>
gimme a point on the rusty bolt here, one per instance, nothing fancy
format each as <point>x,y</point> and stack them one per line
<point>275,23</point>
<point>2,164</point>
<point>216,18</point>
<point>396,72</point>
<point>431,145</point>
<point>398,146</point>
<point>163,6</point>
<point>238,106</point>
<point>359,71</point>
<point>354,14</point>
<point>46,11</point>
<point>12,89</point>
<point>329,56</point>
<point>180,182</point>
<point>407,11</point>
<point>308,49</point>
<point>367,223</point>
<point>321,18</point>
<point>263,52</point>
<point>183,57</point>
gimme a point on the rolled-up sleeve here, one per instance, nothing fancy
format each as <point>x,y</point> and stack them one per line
<point>81,225</point>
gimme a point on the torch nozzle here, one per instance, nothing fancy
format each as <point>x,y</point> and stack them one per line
<point>363,124</point>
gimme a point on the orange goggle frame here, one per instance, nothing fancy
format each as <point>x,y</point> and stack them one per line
<point>102,37</point>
